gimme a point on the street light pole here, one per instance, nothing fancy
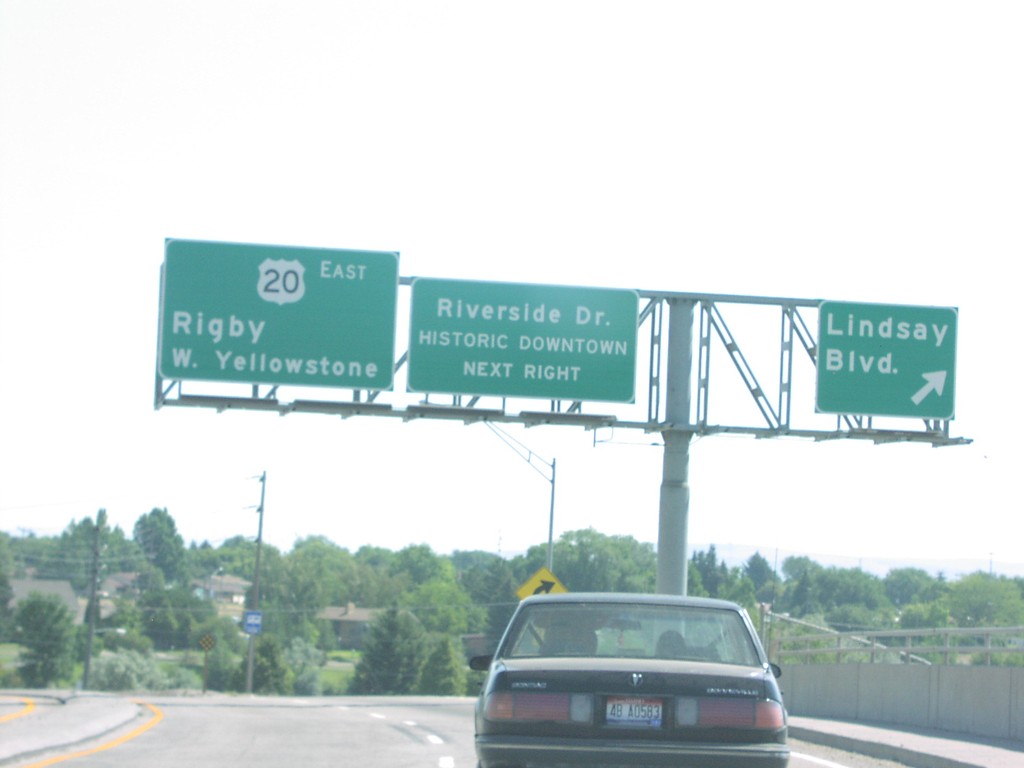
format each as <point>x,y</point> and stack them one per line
<point>529,456</point>
<point>551,520</point>
<point>256,586</point>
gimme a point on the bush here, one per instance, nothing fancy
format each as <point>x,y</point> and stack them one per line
<point>182,678</point>
<point>271,674</point>
<point>127,671</point>
<point>9,678</point>
<point>305,659</point>
<point>132,640</point>
<point>335,681</point>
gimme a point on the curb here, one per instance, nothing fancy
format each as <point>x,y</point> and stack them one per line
<point>71,721</point>
<point>876,750</point>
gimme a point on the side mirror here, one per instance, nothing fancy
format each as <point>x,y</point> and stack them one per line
<point>481,663</point>
<point>776,670</point>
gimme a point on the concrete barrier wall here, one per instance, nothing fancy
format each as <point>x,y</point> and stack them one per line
<point>976,701</point>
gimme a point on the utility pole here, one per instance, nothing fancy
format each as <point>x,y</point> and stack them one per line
<point>256,585</point>
<point>92,608</point>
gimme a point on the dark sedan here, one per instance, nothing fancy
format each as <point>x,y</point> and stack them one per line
<point>629,680</point>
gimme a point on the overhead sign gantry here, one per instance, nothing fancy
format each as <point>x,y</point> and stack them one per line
<point>268,321</point>
<point>282,319</point>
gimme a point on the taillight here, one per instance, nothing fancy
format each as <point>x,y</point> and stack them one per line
<point>545,707</point>
<point>707,712</point>
<point>769,715</point>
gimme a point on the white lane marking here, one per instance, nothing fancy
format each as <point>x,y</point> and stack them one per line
<point>446,762</point>
<point>817,760</point>
<point>433,739</point>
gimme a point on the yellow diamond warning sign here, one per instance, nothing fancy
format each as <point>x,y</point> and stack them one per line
<point>543,582</point>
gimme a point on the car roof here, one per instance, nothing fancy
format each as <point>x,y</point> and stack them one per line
<point>631,598</point>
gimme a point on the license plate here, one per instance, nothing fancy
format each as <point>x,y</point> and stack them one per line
<point>635,712</point>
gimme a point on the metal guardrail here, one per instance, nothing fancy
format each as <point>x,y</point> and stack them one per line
<point>922,646</point>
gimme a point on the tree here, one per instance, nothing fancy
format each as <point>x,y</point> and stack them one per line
<point>393,657</point>
<point>740,589</point>
<point>46,633</point>
<point>492,584</point>
<point>273,597</point>
<point>170,616</point>
<point>162,545</point>
<point>713,578</point>
<point>795,568</point>
<point>6,557</point>
<point>419,564</point>
<point>375,584</point>
<point>444,673</point>
<point>73,556</point>
<point>984,600</point>
<point>316,574</point>
<point>6,614</point>
<point>904,586</point>
<point>443,606</point>
<point>839,588</point>
<point>801,599</point>
<point>919,616</point>
<point>36,556</point>
<point>714,575</point>
<point>763,577</point>
<point>270,672</point>
<point>588,561</point>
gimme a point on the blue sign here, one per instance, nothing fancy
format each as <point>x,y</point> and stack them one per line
<point>252,622</point>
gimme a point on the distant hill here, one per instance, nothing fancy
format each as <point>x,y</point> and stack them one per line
<point>737,554</point>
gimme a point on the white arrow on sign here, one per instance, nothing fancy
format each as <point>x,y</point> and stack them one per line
<point>935,381</point>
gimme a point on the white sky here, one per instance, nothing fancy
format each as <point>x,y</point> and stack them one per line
<point>864,151</point>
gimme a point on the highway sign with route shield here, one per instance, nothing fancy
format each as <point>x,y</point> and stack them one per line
<point>263,314</point>
<point>886,360</point>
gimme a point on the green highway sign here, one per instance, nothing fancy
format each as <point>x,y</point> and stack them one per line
<point>265,314</point>
<point>523,340</point>
<point>886,360</point>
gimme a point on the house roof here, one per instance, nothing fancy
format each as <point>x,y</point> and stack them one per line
<point>23,588</point>
<point>223,584</point>
<point>119,582</point>
<point>348,613</point>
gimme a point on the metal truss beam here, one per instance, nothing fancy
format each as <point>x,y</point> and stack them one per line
<point>786,412</point>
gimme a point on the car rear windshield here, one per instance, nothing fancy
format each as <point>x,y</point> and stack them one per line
<point>632,631</point>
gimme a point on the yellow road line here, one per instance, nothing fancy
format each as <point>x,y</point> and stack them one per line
<point>29,706</point>
<point>157,717</point>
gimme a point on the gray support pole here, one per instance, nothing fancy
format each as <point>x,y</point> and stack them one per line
<point>256,587</point>
<point>675,487</point>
